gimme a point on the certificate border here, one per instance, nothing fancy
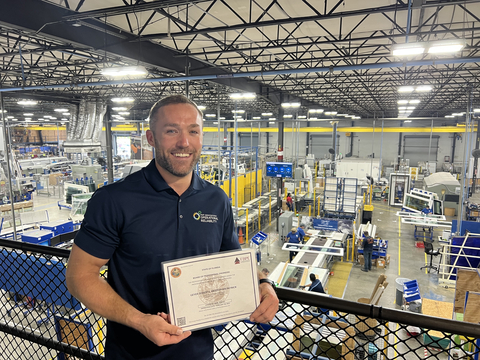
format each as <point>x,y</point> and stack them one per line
<point>204,324</point>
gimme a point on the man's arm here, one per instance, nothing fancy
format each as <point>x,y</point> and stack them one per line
<point>268,307</point>
<point>85,283</point>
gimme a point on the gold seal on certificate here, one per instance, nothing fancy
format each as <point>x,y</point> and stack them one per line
<point>207,290</point>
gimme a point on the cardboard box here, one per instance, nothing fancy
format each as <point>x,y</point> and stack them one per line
<point>387,259</point>
<point>361,259</point>
<point>449,211</point>
<point>381,263</point>
<point>284,205</point>
<point>374,262</point>
<point>53,178</point>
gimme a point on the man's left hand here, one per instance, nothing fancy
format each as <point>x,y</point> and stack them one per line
<point>268,307</point>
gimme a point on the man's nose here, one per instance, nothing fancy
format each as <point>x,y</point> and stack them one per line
<point>182,141</point>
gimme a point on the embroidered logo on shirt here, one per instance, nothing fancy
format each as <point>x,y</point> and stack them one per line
<point>205,218</point>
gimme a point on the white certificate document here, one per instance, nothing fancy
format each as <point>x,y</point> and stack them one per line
<point>208,290</point>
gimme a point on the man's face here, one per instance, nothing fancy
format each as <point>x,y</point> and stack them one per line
<point>177,138</point>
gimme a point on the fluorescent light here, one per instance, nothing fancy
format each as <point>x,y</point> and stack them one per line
<point>423,88</point>
<point>61,110</point>
<point>356,117</point>
<point>457,114</point>
<point>123,100</point>
<point>121,113</point>
<point>302,116</point>
<point>416,101</point>
<point>291,105</point>
<point>27,114</point>
<point>411,108</point>
<point>27,102</point>
<point>118,108</point>
<point>474,110</point>
<point>408,121</point>
<point>222,118</point>
<point>125,71</point>
<point>402,108</point>
<point>313,118</point>
<point>239,96</point>
<point>207,115</point>
<point>66,114</point>
<point>215,123</point>
<point>267,114</point>
<point>10,117</point>
<point>401,102</point>
<point>200,107</point>
<point>41,119</point>
<point>328,113</point>
<point>288,116</point>
<point>52,118</point>
<point>272,122</point>
<point>64,119</point>
<point>273,119</point>
<point>3,111</point>
<point>28,119</point>
<point>238,111</point>
<point>446,46</point>
<point>256,118</point>
<point>342,114</point>
<point>405,89</point>
<point>449,116</point>
<point>316,111</point>
<point>408,49</point>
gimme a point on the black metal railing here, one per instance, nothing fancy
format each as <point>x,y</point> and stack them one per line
<point>39,319</point>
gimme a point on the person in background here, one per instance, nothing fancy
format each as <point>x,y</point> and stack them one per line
<point>265,272</point>
<point>367,250</point>
<point>293,238</point>
<point>289,202</point>
<point>315,285</point>
<point>427,210</point>
<point>301,233</point>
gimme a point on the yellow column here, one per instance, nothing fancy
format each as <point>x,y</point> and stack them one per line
<point>314,197</point>
<point>309,210</point>
<point>318,206</point>
<point>353,240</point>
<point>246,227</point>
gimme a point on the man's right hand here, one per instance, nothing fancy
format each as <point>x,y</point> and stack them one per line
<point>160,332</point>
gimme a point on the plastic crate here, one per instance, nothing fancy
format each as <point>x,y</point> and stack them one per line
<point>259,238</point>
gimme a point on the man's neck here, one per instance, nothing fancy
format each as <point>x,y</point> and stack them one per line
<point>178,184</point>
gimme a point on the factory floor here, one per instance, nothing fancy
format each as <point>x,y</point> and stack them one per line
<point>405,261</point>
<point>405,258</point>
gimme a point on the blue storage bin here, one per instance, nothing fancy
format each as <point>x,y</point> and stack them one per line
<point>40,237</point>
<point>410,285</point>
<point>259,238</point>
<point>58,227</point>
<point>413,296</point>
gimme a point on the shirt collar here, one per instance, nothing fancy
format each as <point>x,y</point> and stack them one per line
<point>156,180</point>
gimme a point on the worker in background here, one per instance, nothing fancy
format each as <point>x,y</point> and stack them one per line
<point>301,233</point>
<point>427,210</point>
<point>143,220</point>
<point>367,250</point>
<point>265,272</point>
<point>293,238</point>
<point>289,202</point>
<point>315,285</point>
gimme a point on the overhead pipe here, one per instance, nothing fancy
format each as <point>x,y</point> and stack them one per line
<point>254,74</point>
<point>409,19</point>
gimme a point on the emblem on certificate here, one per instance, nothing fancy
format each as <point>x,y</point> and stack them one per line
<point>208,290</point>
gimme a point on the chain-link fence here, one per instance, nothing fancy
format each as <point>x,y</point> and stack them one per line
<point>39,319</point>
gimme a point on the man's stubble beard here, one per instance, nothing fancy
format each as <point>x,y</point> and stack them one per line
<point>163,160</point>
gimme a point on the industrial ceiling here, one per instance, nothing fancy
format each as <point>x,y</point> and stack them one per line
<point>330,54</point>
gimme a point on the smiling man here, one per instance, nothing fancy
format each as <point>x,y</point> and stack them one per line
<point>149,217</point>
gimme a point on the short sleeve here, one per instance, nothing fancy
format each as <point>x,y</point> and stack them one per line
<point>99,233</point>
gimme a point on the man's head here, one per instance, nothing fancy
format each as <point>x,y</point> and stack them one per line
<point>294,230</point>
<point>265,271</point>
<point>365,233</point>
<point>176,133</point>
<point>428,207</point>
<point>313,277</point>
<point>302,226</point>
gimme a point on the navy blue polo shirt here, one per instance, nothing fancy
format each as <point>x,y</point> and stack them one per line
<point>139,222</point>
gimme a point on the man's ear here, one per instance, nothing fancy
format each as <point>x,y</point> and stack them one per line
<point>150,138</point>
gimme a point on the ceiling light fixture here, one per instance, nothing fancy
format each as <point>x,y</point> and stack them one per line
<point>61,110</point>
<point>121,113</point>
<point>288,116</point>
<point>405,89</point>
<point>267,114</point>
<point>302,116</point>
<point>123,100</point>
<point>66,114</point>
<point>27,114</point>
<point>256,118</point>
<point>449,116</point>
<point>423,88</point>
<point>125,71</point>
<point>272,119</point>
<point>207,115</point>
<point>238,111</point>
<point>402,102</point>
<point>408,49</point>
<point>239,96</point>
<point>446,46</point>
<point>316,111</point>
<point>272,122</point>
<point>291,105</point>
<point>27,102</point>
<point>415,101</point>
<point>118,108</point>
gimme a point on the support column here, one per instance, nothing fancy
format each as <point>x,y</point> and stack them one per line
<point>108,135</point>
<point>281,130</point>
<point>334,139</point>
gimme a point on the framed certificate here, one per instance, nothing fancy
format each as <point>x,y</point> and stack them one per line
<point>208,290</point>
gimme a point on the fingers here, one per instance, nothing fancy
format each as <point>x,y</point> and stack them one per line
<point>268,307</point>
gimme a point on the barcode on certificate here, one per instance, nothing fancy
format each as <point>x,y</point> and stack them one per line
<point>181,321</point>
